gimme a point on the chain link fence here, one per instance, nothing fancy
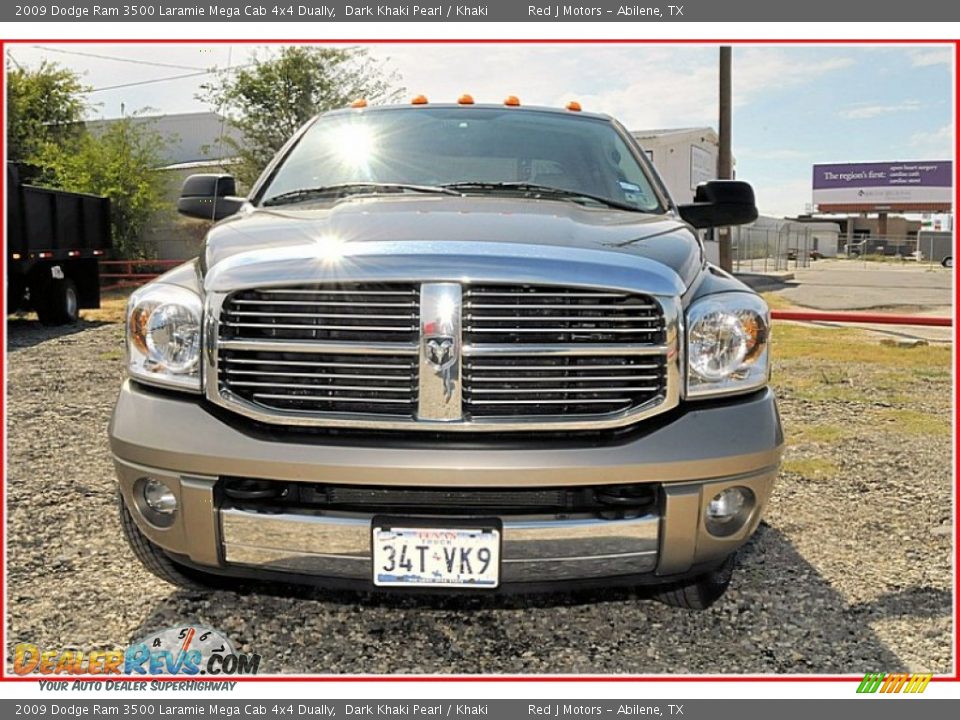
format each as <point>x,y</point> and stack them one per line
<point>926,248</point>
<point>765,250</point>
<point>773,249</point>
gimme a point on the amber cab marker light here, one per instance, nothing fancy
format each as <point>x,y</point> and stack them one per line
<point>465,99</point>
<point>512,101</point>
<point>574,106</point>
<point>361,103</point>
<point>419,100</point>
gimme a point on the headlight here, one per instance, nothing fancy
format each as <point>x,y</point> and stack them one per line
<point>163,336</point>
<point>727,344</point>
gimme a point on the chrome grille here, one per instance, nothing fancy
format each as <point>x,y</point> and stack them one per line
<point>566,323</point>
<point>313,349</point>
<point>360,313</point>
<point>393,355</point>
<point>322,382</point>
<point>534,314</point>
<point>561,385</point>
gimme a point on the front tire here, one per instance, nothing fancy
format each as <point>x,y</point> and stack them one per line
<point>158,562</point>
<point>60,304</point>
<point>702,591</point>
<point>947,262</point>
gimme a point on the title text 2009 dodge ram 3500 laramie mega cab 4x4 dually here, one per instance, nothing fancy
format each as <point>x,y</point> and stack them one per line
<point>459,346</point>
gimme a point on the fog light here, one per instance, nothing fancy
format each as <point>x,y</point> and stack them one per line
<point>159,497</point>
<point>729,510</point>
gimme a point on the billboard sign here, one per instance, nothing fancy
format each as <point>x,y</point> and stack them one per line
<point>883,186</point>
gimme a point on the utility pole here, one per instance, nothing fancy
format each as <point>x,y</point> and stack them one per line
<point>725,159</point>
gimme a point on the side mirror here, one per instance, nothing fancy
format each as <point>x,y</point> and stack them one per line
<point>720,203</point>
<point>209,197</point>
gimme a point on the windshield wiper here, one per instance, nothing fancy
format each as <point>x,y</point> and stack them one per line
<point>527,187</point>
<point>341,189</point>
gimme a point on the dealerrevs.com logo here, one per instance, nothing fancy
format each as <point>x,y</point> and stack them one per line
<point>190,650</point>
<point>912,683</point>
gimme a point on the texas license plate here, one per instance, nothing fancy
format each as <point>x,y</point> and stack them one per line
<point>409,554</point>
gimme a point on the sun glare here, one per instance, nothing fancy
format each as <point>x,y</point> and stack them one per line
<point>354,144</point>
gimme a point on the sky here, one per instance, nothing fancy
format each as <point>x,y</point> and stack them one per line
<point>793,105</point>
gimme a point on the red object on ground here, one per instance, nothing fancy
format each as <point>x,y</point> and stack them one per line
<point>873,318</point>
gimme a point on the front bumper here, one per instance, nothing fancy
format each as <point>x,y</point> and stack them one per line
<point>692,456</point>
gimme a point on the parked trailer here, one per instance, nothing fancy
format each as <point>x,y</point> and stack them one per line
<point>55,240</point>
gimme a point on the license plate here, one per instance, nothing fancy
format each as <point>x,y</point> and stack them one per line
<point>409,555</point>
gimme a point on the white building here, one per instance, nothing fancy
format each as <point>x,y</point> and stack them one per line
<point>188,137</point>
<point>684,157</point>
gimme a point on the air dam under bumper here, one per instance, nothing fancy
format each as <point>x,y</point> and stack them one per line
<point>699,453</point>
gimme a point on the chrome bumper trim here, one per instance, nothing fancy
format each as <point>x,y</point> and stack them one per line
<point>534,548</point>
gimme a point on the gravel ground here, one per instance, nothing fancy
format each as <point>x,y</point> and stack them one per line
<point>848,574</point>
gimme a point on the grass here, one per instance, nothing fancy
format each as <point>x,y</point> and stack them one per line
<point>853,348</point>
<point>817,433</point>
<point>907,421</point>
<point>856,386</point>
<point>776,301</point>
<point>113,307</point>
<point>815,468</point>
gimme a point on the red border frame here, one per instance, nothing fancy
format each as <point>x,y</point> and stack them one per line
<point>5,678</point>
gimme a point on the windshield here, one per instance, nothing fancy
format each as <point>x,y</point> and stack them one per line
<point>437,147</point>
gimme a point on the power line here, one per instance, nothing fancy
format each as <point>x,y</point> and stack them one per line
<point>165,79</point>
<point>117,59</point>
<point>148,82</point>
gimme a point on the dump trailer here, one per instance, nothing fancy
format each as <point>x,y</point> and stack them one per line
<point>55,240</point>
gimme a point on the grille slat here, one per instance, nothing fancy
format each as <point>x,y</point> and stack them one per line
<point>541,293</point>
<point>335,316</point>
<point>323,376</point>
<point>325,303</point>
<point>320,398</point>
<point>571,318</point>
<point>306,386</point>
<point>586,378</point>
<point>543,306</point>
<point>337,291</point>
<point>307,363</point>
<point>548,368</point>
<point>541,401</point>
<point>567,390</point>
<point>273,327</point>
<point>578,332</point>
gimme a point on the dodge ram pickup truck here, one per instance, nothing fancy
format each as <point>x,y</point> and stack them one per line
<point>450,348</point>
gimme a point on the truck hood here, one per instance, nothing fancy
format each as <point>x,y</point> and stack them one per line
<point>427,224</point>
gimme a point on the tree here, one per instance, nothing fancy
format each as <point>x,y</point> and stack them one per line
<point>121,163</point>
<point>45,106</point>
<point>270,99</point>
